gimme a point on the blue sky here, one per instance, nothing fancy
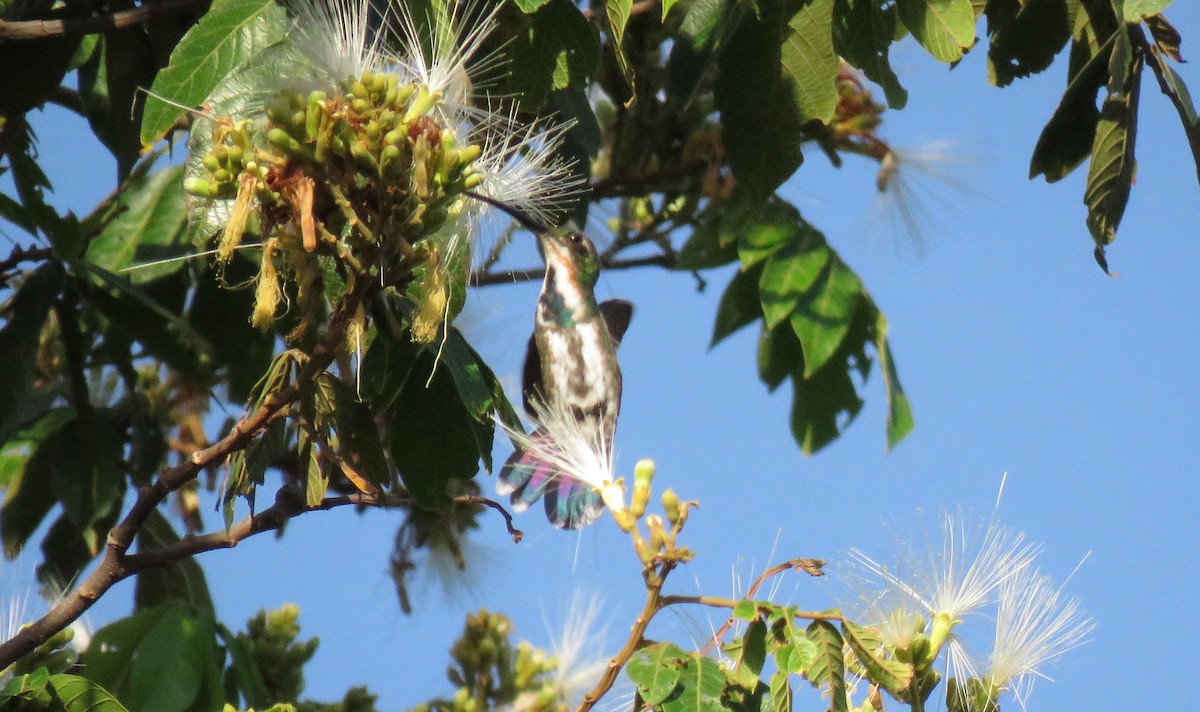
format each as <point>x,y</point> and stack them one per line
<point>1019,354</point>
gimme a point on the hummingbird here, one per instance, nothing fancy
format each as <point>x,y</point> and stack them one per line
<point>571,371</point>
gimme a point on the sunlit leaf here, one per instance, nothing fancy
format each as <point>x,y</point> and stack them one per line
<point>230,34</point>
<point>889,673</point>
<point>828,667</point>
<point>618,16</point>
<point>78,694</point>
<point>656,670</point>
<point>809,61</point>
<point>701,684</point>
<point>943,27</point>
<point>148,229</point>
<point>1110,175</point>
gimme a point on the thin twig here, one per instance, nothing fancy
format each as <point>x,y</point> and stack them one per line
<point>515,533</point>
<point>23,254</point>
<point>810,566</point>
<point>71,26</point>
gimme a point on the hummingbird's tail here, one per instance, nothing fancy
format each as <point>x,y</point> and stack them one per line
<point>570,503</point>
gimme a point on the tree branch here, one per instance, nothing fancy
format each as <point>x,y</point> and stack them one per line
<point>114,565</point>
<point>70,26</point>
<point>275,517</point>
<point>654,603</point>
<point>482,278</point>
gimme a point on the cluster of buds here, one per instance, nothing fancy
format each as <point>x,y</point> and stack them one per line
<point>315,159</point>
<point>659,544</point>
<point>489,672</point>
<point>857,114</point>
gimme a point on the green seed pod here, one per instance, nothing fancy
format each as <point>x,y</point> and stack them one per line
<point>469,153</point>
<point>402,95</point>
<point>313,114</point>
<point>364,158</point>
<point>395,137</point>
<point>283,140</point>
<point>421,103</point>
<point>198,187</point>
<point>210,162</point>
<point>373,132</point>
<point>389,154</point>
<point>379,83</point>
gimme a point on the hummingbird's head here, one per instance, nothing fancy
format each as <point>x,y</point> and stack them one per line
<point>570,253</point>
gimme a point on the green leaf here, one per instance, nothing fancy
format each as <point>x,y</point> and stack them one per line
<point>795,652</point>
<point>560,49</point>
<point>135,312</point>
<point>706,249</point>
<point>35,69</point>
<point>618,12</point>
<point>385,369</point>
<point>701,685</point>
<point>78,694</point>
<point>780,699</point>
<point>863,33</point>
<point>221,316</point>
<point>692,52</point>
<point>828,667</point>
<point>1025,37</point>
<point>900,420</point>
<point>1137,10</point>
<point>29,690</point>
<point>739,305</point>
<point>761,121</point>
<point>149,227</point>
<point>85,461</point>
<point>530,6</point>
<point>746,610</point>
<point>243,672</point>
<point>943,27</point>
<point>889,673</point>
<point>656,670</point>
<point>358,436</point>
<point>779,355</point>
<point>1068,136</point>
<point>1110,176</point>
<point>248,467</point>
<point>121,61</point>
<point>432,435</point>
<point>19,341</point>
<point>823,315</point>
<point>182,581</point>
<point>809,61</point>
<point>828,401</point>
<point>28,497</point>
<point>753,655</point>
<point>229,35</point>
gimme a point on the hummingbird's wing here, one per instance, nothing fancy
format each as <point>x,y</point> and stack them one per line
<point>617,314</point>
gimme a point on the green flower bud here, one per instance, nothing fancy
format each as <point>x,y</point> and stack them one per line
<point>670,505</point>
<point>236,153</point>
<point>210,162</point>
<point>421,103</point>
<point>359,90</point>
<point>403,94</point>
<point>360,106</point>
<point>222,176</point>
<point>199,187</point>
<point>283,140</point>
<point>472,181</point>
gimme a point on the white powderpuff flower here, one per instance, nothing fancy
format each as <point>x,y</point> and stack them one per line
<point>336,35</point>
<point>523,168</point>
<point>1035,625</point>
<point>948,582</point>
<point>914,183</point>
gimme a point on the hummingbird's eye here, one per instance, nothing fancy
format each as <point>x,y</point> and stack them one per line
<point>576,238</point>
